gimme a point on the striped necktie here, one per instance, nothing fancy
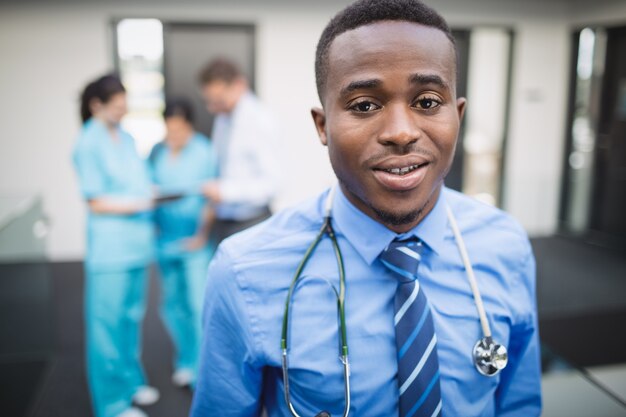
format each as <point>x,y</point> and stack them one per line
<point>418,365</point>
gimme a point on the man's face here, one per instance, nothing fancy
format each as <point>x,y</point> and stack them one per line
<point>220,96</point>
<point>391,118</point>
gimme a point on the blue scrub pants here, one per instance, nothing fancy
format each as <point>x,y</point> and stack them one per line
<point>115,306</point>
<point>183,280</point>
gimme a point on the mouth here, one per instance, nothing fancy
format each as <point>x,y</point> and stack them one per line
<point>401,176</point>
<point>401,170</point>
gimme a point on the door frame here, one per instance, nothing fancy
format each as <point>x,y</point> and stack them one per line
<point>590,234</point>
<point>248,27</point>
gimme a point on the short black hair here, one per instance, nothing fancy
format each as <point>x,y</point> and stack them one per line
<point>365,12</point>
<point>219,69</point>
<point>179,107</point>
<point>103,89</point>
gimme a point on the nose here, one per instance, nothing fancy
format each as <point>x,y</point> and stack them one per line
<point>400,126</point>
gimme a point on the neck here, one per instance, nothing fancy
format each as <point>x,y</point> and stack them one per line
<point>177,148</point>
<point>398,223</point>
<point>111,127</point>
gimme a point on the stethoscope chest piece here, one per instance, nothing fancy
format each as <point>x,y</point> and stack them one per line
<point>489,357</point>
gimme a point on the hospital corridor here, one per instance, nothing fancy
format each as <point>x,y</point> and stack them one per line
<point>166,168</point>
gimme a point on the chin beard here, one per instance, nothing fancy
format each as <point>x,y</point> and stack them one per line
<point>389,218</point>
<point>397,219</point>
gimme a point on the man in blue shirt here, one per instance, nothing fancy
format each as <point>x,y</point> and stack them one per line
<point>386,75</point>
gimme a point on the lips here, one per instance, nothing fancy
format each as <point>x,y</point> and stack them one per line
<point>401,174</point>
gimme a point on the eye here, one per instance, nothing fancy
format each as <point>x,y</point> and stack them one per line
<point>427,103</point>
<point>364,106</point>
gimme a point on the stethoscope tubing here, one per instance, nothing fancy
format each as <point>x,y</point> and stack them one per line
<point>485,368</point>
<point>326,229</point>
<point>484,323</point>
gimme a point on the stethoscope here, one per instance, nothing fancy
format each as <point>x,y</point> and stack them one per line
<point>489,356</point>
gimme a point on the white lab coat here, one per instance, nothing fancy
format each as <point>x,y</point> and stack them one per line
<point>246,142</point>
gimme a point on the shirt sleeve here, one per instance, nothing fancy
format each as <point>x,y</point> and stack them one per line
<point>519,391</point>
<point>88,166</point>
<point>230,375</point>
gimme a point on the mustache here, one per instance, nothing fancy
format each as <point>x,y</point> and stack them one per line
<point>391,151</point>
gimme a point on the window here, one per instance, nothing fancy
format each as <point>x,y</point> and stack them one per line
<point>139,44</point>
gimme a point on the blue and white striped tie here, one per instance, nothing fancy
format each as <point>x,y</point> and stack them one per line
<point>418,365</point>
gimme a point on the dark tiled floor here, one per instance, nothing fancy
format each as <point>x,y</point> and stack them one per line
<point>64,392</point>
<point>575,277</point>
<point>581,297</point>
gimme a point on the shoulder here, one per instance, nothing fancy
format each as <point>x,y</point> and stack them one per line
<point>89,137</point>
<point>285,233</point>
<point>156,150</point>
<point>251,108</point>
<point>485,225</point>
<point>126,136</point>
<point>251,101</point>
<point>200,142</point>
<point>500,252</point>
<point>90,130</point>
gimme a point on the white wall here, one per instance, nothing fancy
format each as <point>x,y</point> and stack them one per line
<point>47,55</point>
<point>49,51</point>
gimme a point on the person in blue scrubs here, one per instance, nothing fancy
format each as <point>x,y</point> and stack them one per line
<point>180,165</point>
<point>115,183</point>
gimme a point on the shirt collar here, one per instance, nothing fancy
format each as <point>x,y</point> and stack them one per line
<point>433,228</point>
<point>370,238</point>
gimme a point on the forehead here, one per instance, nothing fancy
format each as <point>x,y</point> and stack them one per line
<point>117,98</point>
<point>175,119</point>
<point>390,47</point>
<point>216,85</point>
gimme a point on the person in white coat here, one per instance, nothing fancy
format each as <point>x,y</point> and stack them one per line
<point>245,139</point>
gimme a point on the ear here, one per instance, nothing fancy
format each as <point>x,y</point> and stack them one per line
<point>95,104</point>
<point>319,118</point>
<point>460,107</point>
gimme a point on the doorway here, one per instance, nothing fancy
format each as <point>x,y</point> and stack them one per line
<point>158,60</point>
<point>609,199</point>
<point>188,47</point>
<point>483,76</point>
<point>594,189</point>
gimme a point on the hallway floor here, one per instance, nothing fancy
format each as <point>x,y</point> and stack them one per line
<point>581,291</point>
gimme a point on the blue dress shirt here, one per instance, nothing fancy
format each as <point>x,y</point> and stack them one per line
<point>248,280</point>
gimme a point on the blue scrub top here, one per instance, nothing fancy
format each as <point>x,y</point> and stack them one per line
<point>184,172</point>
<point>110,167</point>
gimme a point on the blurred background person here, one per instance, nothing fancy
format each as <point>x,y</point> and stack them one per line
<point>116,184</point>
<point>180,164</point>
<point>244,135</point>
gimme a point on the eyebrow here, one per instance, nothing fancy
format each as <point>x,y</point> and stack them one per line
<point>360,85</point>
<point>428,79</point>
<point>374,82</point>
